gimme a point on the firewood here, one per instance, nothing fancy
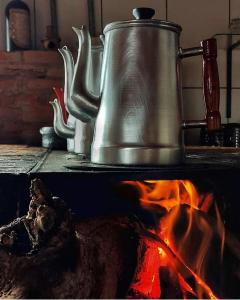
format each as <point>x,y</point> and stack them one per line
<point>49,253</point>
<point>67,258</point>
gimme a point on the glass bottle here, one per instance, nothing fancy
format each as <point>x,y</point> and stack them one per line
<point>18,27</point>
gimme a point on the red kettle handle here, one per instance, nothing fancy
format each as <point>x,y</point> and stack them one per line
<point>60,97</point>
<point>211,86</point>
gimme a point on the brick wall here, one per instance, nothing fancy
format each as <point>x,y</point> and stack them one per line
<point>26,81</point>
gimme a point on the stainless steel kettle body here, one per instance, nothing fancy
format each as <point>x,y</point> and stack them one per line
<point>139,121</point>
<point>138,97</point>
<point>79,134</point>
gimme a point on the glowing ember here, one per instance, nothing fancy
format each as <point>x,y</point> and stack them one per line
<point>184,236</point>
<point>147,283</point>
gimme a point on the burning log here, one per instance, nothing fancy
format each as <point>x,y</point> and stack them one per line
<point>48,253</point>
<point>190,241</point>
<point>65,258</point>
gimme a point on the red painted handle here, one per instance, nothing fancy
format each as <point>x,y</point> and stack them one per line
<point>60,97</point>
<point>211,84</point>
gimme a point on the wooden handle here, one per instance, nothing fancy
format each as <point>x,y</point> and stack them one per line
<point>211,84</point>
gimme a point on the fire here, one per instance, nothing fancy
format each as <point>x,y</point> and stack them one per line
<point>183,235</point>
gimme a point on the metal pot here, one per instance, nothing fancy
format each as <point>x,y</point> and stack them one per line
<point>228,136</point>
<point>51,140</point>
<point>139,109</point>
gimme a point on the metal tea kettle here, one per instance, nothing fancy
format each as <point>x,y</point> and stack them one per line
<point>78,134</point>
<point>87,71</point>
<point>63,123</point>
<point>75,131</point>
<point>139,109</point>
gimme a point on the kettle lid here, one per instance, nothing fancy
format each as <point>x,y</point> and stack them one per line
<point>143,17</point>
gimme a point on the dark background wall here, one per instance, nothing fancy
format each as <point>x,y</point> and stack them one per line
<point>26,81</point>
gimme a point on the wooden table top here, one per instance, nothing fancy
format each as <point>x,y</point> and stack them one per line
<point>20,159</point>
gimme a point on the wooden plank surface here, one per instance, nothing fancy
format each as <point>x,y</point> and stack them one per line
<point>18,159</point>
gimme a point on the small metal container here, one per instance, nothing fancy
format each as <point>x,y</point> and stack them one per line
<point>51,140</point>
<point>215,138</point>
<point>232,135</point>
<point>228,136</point>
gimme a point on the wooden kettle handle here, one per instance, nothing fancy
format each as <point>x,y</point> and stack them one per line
<point>211,84</point>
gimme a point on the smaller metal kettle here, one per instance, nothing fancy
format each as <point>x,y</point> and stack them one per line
<point>139,108</point>
<point>63,123</point>
<point>87,73</point>
<point>78,134</point>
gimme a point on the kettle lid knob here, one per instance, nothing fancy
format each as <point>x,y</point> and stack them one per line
<point>143,13</point>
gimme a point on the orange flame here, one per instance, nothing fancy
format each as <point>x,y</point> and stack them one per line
<point>185,231</point>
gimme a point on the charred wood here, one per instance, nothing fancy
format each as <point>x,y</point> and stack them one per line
<point>66,258</point>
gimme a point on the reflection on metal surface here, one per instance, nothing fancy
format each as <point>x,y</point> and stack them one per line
<point>80,141</point>
<point>139,108</point>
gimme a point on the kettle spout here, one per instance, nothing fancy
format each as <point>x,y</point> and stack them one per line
<point>68,75</point>
<point>60,127</point>
<point>86,103</point>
